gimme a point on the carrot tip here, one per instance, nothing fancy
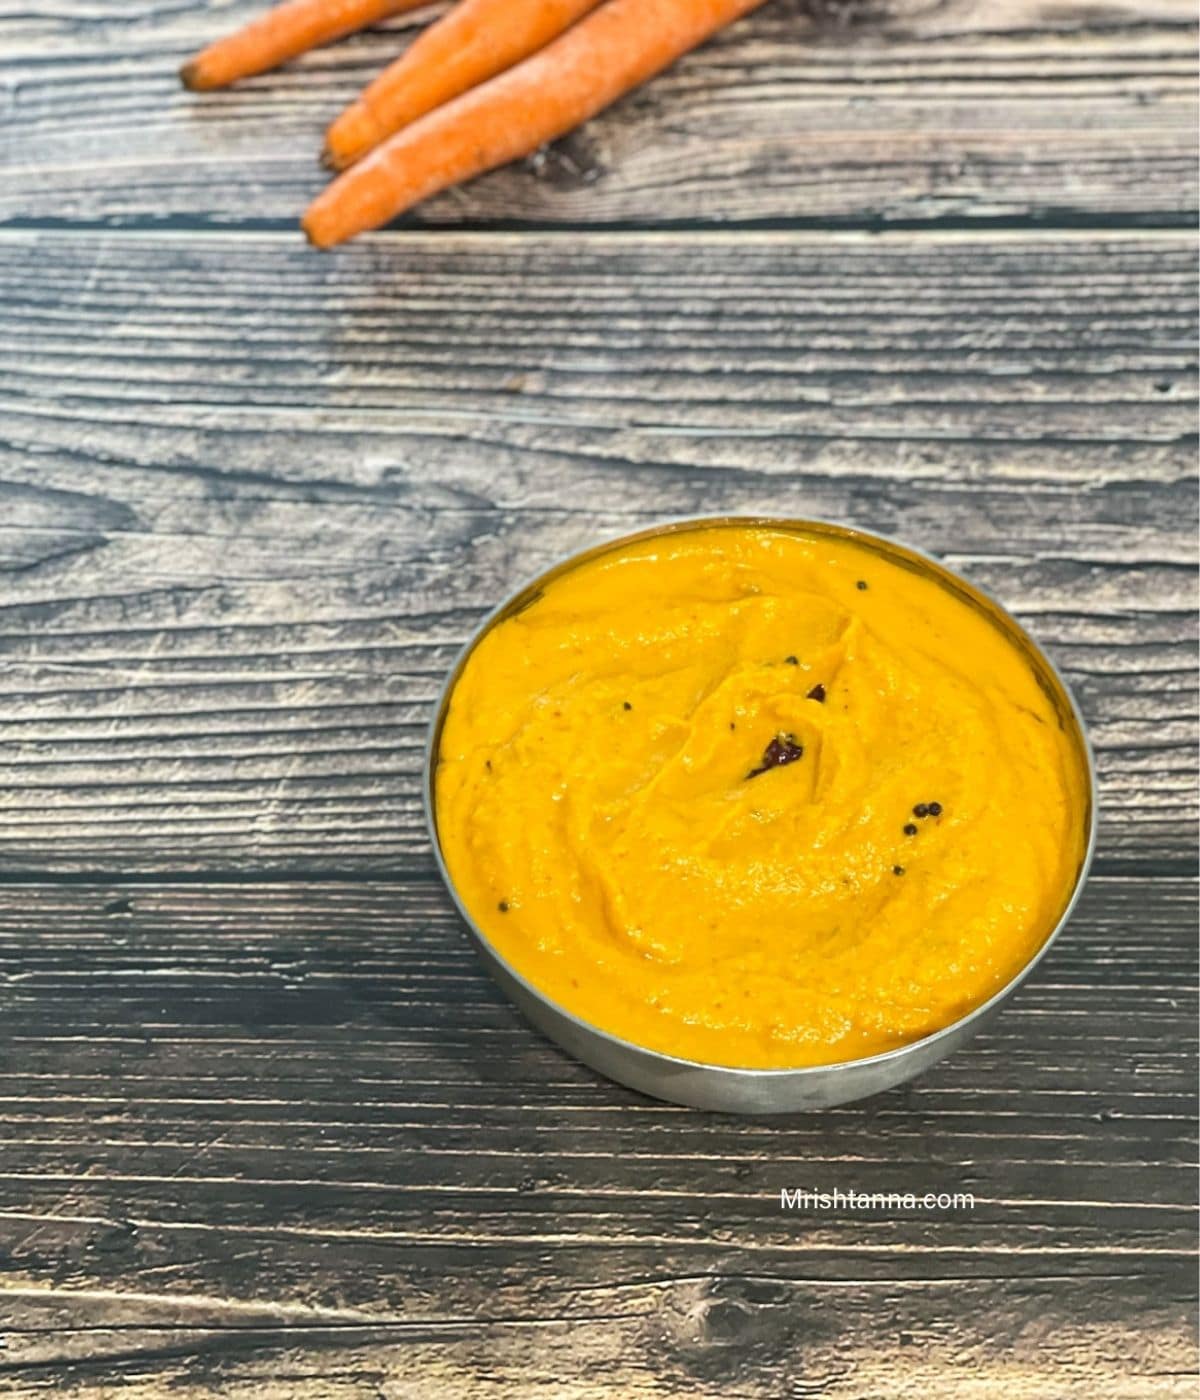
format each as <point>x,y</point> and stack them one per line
<point>329,159</point>
<point>197,76</point>
<point>313,240</point>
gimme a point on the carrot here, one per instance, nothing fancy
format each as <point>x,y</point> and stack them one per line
<point>474,41</point>
<point>285,32</point>
<point>616,47</point>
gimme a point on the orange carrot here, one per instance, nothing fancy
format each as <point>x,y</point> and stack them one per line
<point>285,32</point>
<point>616,47</point>
<point>477,39</point>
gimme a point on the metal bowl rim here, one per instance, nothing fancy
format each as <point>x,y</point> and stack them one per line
<point>680,525</point>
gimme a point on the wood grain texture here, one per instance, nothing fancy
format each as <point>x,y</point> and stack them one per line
<point>849,110</point>
<point>250,515</point>
<point>266,1130</point>
<point>275,1140</point>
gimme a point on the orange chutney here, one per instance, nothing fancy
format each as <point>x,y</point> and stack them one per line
<point>760,795</point>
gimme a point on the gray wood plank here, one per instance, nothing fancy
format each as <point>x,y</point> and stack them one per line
<point>952,110</point>
<point>290,1137</point>
<point>254,500</point>
<point>285,1139</point>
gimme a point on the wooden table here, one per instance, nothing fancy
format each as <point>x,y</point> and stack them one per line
<point>926,266</point>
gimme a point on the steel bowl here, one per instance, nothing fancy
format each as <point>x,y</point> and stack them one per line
<point>728,1088</point>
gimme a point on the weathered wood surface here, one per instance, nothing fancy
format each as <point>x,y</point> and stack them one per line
<point>266,1129</point>
<point>290,1134</point>
<point>248,518</point>
<point>849,110</point>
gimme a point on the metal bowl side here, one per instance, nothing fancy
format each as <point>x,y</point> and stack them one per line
<point>727,1088</point>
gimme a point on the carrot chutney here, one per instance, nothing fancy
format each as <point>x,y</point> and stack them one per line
<point>760,795</point>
